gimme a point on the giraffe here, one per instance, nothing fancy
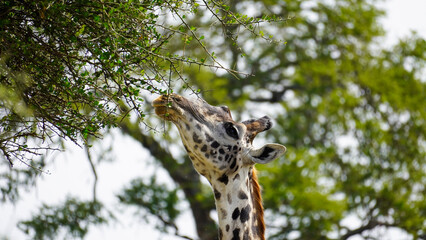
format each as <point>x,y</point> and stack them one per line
<point>221,150</point>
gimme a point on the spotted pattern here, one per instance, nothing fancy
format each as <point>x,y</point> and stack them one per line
<point>244,215</point>
<point>236,234</point>
<point>217,194</point>
<point>240,223</point>
<point>215,143</point>
<point>236,213</point>
<point>242,195</point>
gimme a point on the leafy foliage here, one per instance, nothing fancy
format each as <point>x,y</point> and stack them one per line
<point>68,69</point>
<point>66,66</point>
<point>24,177</point>
<point>157,199</point>
<point>73,216</point>
<point>349,110</point>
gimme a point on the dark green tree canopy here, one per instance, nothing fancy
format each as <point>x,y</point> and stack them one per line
<point>349,111</point>
<point>67,67</point>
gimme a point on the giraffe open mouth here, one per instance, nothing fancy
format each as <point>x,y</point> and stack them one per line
<point>173,107</point>
<point>165,108</point>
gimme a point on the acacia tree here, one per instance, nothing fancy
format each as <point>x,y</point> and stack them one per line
<point>326,83</point>
<point>65,67</point>
<point>70,70</point>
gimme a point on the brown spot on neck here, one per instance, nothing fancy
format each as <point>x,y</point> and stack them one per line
<point>257,205</point>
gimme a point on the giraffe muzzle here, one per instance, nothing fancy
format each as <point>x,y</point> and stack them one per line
<point>166,108</point>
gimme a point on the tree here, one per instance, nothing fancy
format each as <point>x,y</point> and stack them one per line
<point>329,86</point>
<point>349,115</point>
<point>71,70</point>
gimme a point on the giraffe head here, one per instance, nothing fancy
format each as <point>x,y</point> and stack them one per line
<point>217,145</point>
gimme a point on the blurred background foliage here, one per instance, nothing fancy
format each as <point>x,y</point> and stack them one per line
<point>350,111</point>
<point>73,218</point>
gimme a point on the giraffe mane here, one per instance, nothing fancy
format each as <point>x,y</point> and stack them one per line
<point>257,204</point>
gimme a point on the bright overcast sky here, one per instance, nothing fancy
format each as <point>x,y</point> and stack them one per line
<point>71,173</point>
<point>404,16</point>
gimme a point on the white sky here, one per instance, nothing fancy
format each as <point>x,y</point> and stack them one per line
<point>71,174</point>
<point>404,16</point>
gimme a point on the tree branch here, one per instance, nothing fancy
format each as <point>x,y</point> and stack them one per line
<point>92,165</point>
<point>370,225</point>
<point>277,95</point>
<point>183,174</point>
<point>172,224</point>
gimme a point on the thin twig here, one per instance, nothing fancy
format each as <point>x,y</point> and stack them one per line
<point>92,165</point>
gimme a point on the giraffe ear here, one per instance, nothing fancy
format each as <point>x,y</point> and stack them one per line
<point>255,126</point>
<point>267,153</point>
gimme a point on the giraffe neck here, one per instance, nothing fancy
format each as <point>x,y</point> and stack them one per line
<point>239,206</point>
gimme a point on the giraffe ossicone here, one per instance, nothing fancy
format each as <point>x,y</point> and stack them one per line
<point>221,150</point>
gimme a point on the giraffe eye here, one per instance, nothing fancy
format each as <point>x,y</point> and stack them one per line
<point>231,130</point>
